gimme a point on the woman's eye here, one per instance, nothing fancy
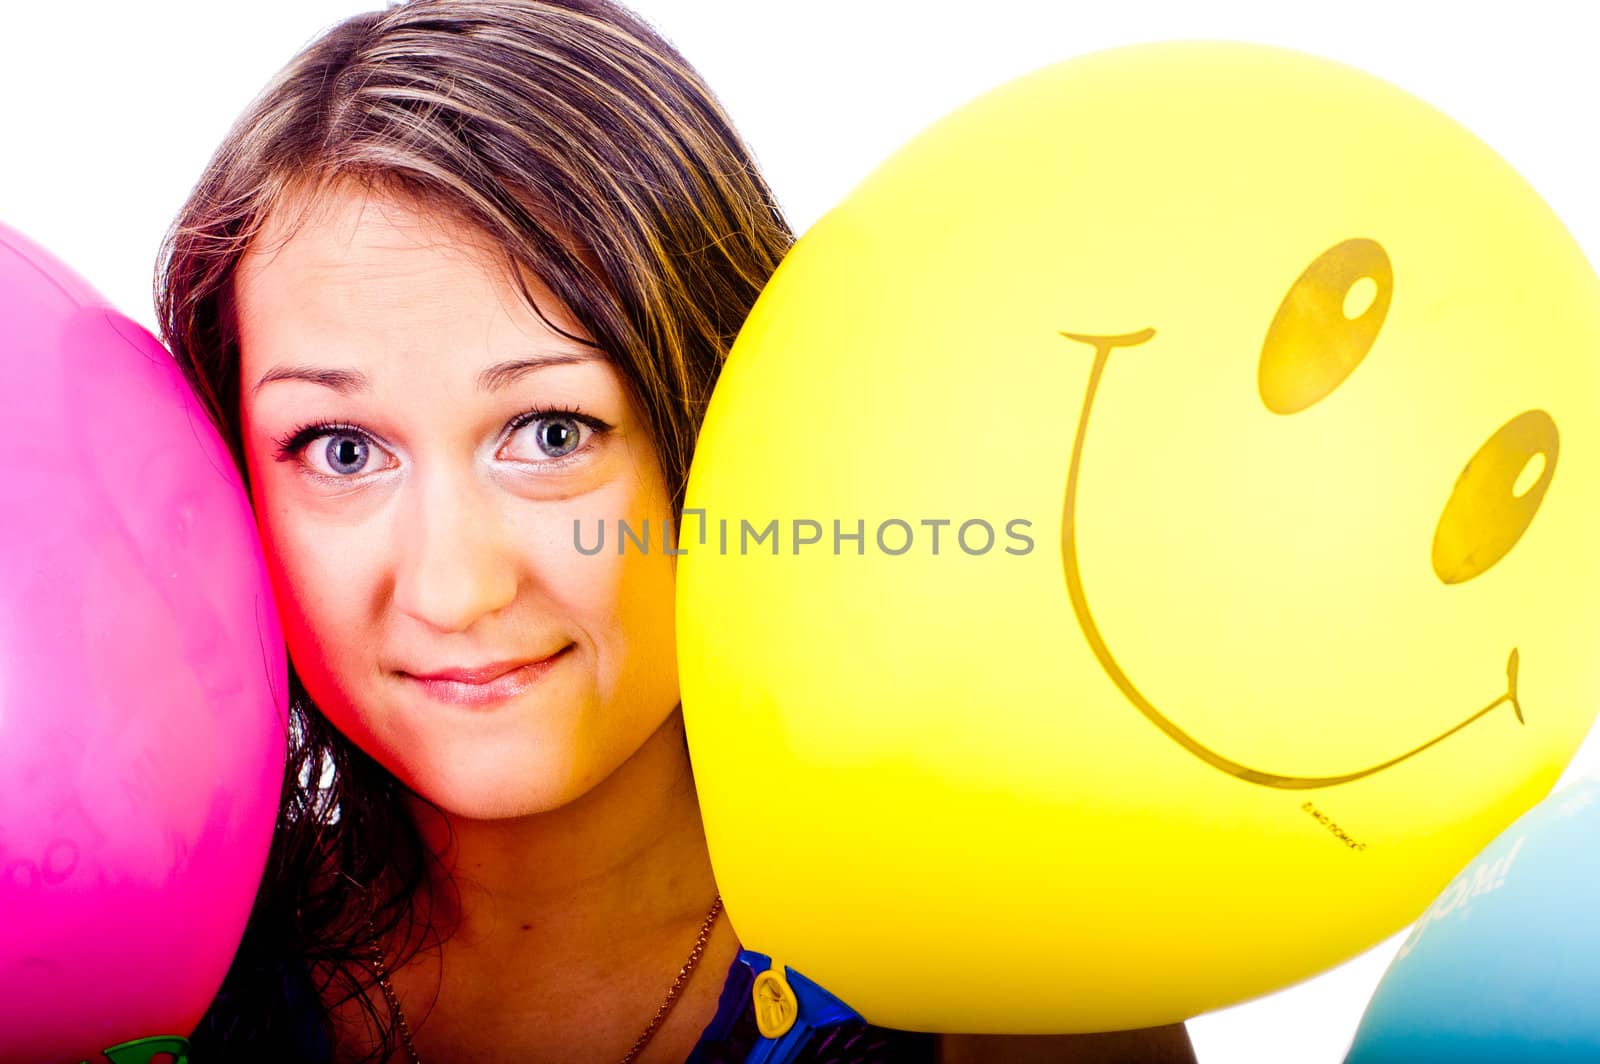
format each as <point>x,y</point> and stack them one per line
<point>344,454</point>
<point>556,436</point>
<point>329,450</point>
<point>544,438</point>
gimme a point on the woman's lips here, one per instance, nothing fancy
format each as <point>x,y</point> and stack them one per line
<point>500,688</point>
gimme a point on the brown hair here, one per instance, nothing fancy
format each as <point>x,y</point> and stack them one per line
<point>585,148</point>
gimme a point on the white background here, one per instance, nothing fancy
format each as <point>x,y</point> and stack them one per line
<point>108,111</point>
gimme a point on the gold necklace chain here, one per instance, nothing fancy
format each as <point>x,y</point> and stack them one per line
<point>380,968</point>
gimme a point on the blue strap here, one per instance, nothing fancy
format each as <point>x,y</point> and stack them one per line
<point>817,1009</point>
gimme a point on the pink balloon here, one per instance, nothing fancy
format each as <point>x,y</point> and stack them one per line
<point>142,680</point>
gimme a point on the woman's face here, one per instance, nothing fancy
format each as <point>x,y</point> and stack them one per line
<point>420,446</point>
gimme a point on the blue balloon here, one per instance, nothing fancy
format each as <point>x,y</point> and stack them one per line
<point>1505,964</point>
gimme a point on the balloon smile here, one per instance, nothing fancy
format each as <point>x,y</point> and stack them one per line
<point>1103,346</point>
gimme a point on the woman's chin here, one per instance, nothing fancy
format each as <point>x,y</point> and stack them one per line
<point>492,792</point>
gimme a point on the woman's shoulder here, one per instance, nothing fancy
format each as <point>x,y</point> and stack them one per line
<point>275,1012</point>
<point>732,1033</point>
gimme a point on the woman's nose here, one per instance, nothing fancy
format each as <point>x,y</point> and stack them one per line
<point>452,562</point>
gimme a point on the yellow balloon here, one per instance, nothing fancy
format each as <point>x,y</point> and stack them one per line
<point>1220,428</point>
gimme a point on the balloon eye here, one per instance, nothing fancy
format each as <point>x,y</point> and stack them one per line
<point>1325,325</point>
<point>1495,497</point>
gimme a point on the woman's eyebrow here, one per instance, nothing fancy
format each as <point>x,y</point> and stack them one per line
<point>343,381</point>
<point>346,381</point>
<point>501,374</point>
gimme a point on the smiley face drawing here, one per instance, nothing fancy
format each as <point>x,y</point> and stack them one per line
<point>1313,344</point>
<point>1183,468</point>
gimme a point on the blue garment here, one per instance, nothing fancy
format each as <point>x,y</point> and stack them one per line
<point>732,1033</point>
<point>727,1039</point>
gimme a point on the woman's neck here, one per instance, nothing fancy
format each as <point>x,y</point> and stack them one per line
<point>560,933</point>
<point>609,873</point>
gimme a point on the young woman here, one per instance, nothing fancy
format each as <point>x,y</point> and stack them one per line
<point>463,275</point>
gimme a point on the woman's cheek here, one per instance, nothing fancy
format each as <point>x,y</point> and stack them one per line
<point>311,586</point>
